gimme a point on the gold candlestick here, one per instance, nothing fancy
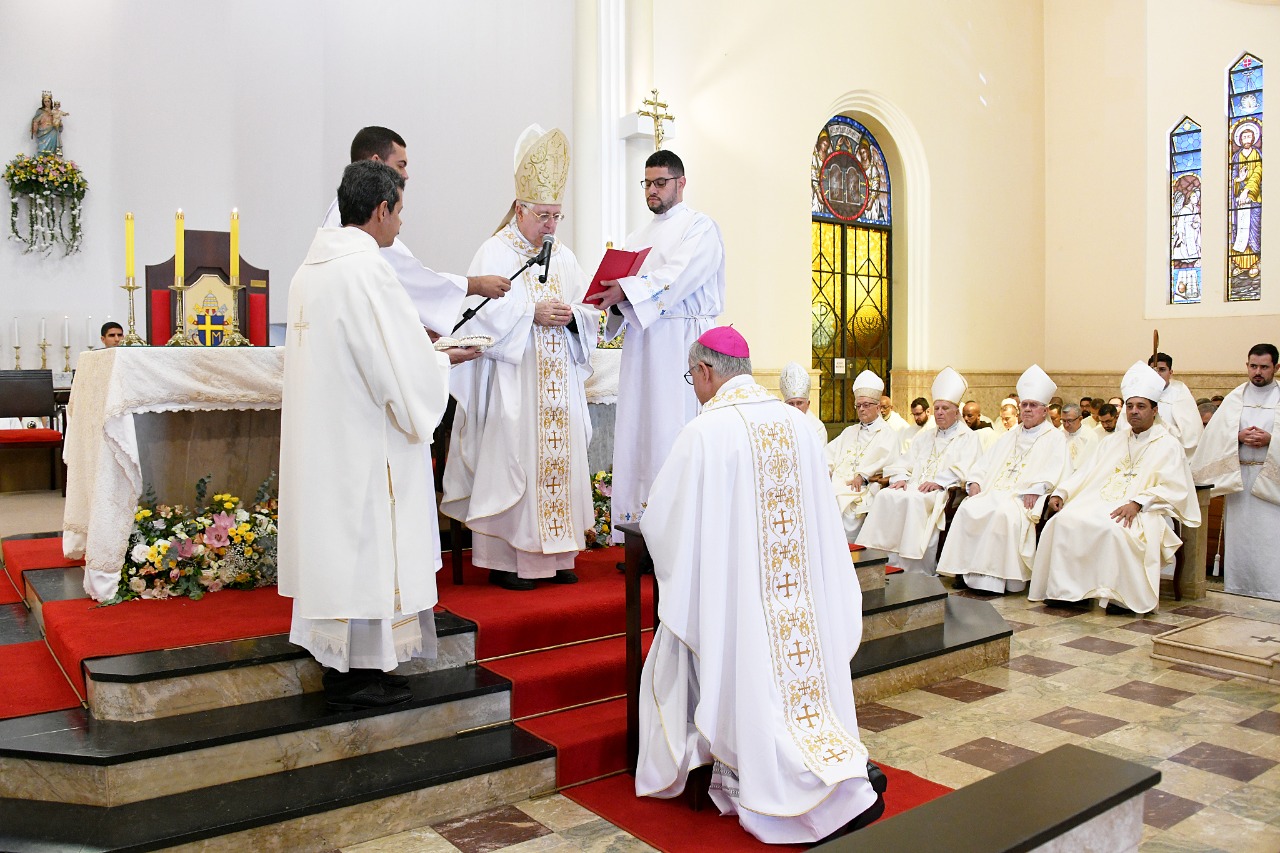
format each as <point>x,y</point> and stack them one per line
<point>132,338</point>
<point>180,338</point>
<point>44,354</point>
<point>17,357</point>
<point>66,358</point>
<point>232,337</point>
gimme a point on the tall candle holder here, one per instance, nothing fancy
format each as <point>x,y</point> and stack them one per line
<point>66,358</point>
<point>180,337</point>
<point>233,338</point>
<point>132,338</point>
<point>44,354</point>
<point>17,357</point>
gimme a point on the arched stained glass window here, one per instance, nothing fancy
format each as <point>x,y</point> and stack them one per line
<point>1184,213</point>
<point>852,216</point>
<point>1244,180</point>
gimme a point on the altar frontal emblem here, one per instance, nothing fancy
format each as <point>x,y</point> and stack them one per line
<point>209,322</point>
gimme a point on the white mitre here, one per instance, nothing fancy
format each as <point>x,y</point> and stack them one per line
<point>1141,381</point>
<point>950,386</point>
<point>794,381</point>
<point>867,384</point>
<point>541,167</point>
<point>1035,385</point>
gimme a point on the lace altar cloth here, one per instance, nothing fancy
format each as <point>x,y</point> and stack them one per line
<point>104,472</point>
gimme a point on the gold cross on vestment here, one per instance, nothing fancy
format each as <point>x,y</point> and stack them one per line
<point>834,755</point>
<point>782,523</point>
<point>787,585</point>
<point>808,716</point>
<point>556,527</point>
<point>302,325</point>
<point>798,653</point>
<point>658,112</point>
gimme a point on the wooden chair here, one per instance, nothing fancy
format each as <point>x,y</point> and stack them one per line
<point>955,494</point>
<point>29,394</point>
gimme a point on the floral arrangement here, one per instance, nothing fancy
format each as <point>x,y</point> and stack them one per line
<point>54,189</point>
<point>217,544</point>
<point>601,495</point>
<point>601,343</point>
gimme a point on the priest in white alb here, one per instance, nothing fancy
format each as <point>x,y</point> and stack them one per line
<point>363,391</point>
<point>1240,457</point>
<point>1081,440</point>
<point>992,540</point>
<point>676,296</point>
<point>1110,535</point>
<point>760,615</point>
<point>907,516</point>
<point>858,456</point>
<point>794,385</point>
<point>517,473</point>
<point>1178,410</point>
<point>437,297</point>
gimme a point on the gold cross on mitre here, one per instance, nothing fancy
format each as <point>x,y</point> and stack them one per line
<point>658,112</point>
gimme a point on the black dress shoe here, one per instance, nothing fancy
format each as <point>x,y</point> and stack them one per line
<point>879,781</point>
<point>870,816</point>
<point>393,680</point>
<point>373,694</point>
<point>957,582</point>
<point>564,576</point>
<point>1114,609</point>
<point>507,580</point>
<point>1068,605</point>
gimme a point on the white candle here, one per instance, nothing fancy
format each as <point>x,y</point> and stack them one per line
<point>43,338</point>
<point>88,332</point>
<point>66,331</point>
<point>15,331</point>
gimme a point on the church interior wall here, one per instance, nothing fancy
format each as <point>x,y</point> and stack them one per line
<point>240,104</point>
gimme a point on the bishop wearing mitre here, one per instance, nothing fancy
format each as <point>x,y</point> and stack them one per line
<point>518,474</point>
<point>857,457</point>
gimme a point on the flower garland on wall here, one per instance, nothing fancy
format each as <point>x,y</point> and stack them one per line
<point>54,191</point>
<point>219,544</point>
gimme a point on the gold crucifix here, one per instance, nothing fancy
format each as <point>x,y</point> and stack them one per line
<point>658,112</point>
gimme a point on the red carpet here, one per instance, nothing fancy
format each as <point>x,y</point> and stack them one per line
<point>589,742</point>
<point>672,826</point>
<point>8,593</point>
<point>552,614</point>
<point>32,683</point>
<point>557,678</point>
<point>21,555</point>
<point>80,629</point>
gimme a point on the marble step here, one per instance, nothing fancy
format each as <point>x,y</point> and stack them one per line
<point>973,636</point>
<point>870,564</point>
<point>907,601</point>
<point>1235,645</point>
<point>318,808</point>
<point>69,757</point>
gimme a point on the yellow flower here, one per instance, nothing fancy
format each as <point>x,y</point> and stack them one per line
<point>141,514</point>
<point>228,505</point>
<point>249,536</point>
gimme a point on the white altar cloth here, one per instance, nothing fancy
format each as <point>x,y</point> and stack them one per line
<point>104,471</point>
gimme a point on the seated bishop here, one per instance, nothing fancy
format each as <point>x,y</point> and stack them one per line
<point>748,550</point>
<point>858,456</point>
<point>1111,536</point>
<point>992,540</point>
<point>1081,440</point>
<point>794,384</point>
<point>907,516</point>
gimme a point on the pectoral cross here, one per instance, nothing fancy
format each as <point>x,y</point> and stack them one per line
<point>302,325</point>
<point>808,716</point>
<point>658,112</point>
<point>798,653</point>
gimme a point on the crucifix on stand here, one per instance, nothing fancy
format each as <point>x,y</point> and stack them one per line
<point>657,110</point>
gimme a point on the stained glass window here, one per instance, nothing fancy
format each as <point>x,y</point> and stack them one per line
<point>1244,180</point>
<point>852,214</point>
<point>1184,213</point>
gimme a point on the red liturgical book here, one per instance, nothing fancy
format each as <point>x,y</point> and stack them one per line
<point>616,264</point>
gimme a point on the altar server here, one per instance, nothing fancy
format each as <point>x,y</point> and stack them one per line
<point>1178,410</point>
<point>760,614</point>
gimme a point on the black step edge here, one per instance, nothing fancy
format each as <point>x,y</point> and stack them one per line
<point>65,584</point>
<point>869,557</point>
<point>968,623</point>
<point>230,654</point>
<point>902,590</point>
<point>28,826</point>
<point>74,737</point>
<point>49,534</point>
<point>1055,792</point>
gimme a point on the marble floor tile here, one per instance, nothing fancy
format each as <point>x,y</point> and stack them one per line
<point>412,841</point>
<point>1263,721</point>
<point>600,836</point>
<point>877,717</point>
<point>1147,626</point>
<point>491,830</point>
<point>1038,738</point>
<point>1202,672</point>
<point>1195,611</point>
<point>1076,721</point>
<point>1147,739</point>
<point>1152,694</point>
<point>1018,626</point>
<point>1060,612</point>
<point>1123,709</point>
<point>1252,802</point>
<point>1224,761</point>
<point>1099,646</point>
<point>946,771</point>
<point>556,812</point>
<point>1194,784</point>
<point>1171,842</point>
<point>936,736</point>
<point>1212,709</point>
<point>1255,694</point>
<point>990,754</point>
<point>920,703</point>
<point>1090,678</point>
<point>963,690</point>
<point>1163,810</point>
<point>1269,780</point>
<point>1230,832</point>
<point>1032,665</point>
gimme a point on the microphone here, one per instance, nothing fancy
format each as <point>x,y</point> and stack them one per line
<point>544,257</point>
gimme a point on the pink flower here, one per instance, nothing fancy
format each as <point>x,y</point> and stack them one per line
<point>223,522</point>
<point>186,549</point>
<point>216,537</point>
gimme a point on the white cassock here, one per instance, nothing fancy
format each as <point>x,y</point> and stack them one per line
<point>517,473</point>
<point>1180,415</point>
<point>437,297</point>
<point>861,449</point>
<point>913,429</point>
<point>675,298</point>
<point>992,540</point>
<point>1084,553</point>
<point>760,615</point>
<point>815,423</point>
<point>987,436</point>
<point>903,429</point>
<point>905,522</point>
<point>363,392</point>
<point>1250,479</point>
<point>1080,444</point>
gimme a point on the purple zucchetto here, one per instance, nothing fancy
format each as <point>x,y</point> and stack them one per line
<point>725,340</point>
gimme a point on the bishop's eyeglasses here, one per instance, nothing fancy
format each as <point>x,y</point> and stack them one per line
<point>543,218</point>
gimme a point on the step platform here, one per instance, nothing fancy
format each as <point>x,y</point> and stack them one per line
<point>1249,648</point>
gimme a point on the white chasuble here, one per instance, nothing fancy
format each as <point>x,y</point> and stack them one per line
<point>1180,415</point>
<point>760,615</point>
<point>992,539</point>
<point>1250,479</point>
<point>363,392</point>
<point>437,297</point>
<point>860,450</point>
<point>905,522</point>
<point>1084,553</point>
<point>675,298</point>
<point>1080,444</point>
<point>517,473</point>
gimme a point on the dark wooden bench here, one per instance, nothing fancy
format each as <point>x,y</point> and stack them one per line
<point>29,394</point>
